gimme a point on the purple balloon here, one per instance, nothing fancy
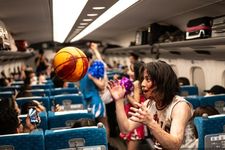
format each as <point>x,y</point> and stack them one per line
<point>128,84</point>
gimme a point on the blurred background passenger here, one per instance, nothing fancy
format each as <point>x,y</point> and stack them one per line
<point>216,89</point>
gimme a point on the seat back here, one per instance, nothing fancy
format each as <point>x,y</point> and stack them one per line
<point>44,120</point>
<point>208,125</point>
<point>217,101</point>
<point>40,92</point>
<point>58,91</point>
<point>75,137</point>
<point>194,100</point>
<point>215,141</point>
<point>17,83</point>
<point>68,101</point>
<point>66,118</point>
<point>41,86</point>
<point>23,141</point>
<point>43,100</point>
<point>10,88</point>
<point>6,94</point>
<point>186,90</point>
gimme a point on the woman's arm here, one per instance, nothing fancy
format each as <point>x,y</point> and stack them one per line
<point>94,48</point>
<point>100,83</point>
<point>118,92</point>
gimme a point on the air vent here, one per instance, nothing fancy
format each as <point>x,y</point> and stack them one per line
<point>175,52</point>
<point>203,52</point>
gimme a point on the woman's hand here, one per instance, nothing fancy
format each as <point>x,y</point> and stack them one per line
<point>117,91</point>
<point>141,114</point>
<point>57,108</point>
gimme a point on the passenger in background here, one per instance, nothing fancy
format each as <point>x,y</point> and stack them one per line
<point>199,111</point>
<point>24,89</point>
<point>22,74</point>
<point>9,103</point>
<point>9,119</point>
<point>133,57</point>
<point>4,82</point>
<point>183,81</point>
<point>164,113</point>
<point>58,83</point>
<point>93,89</point>
<point>42,78</point>
<point>216,89</point>
<point>32,104</point>
<point>133,138</point>
<point>125,70</point>
<point>84,122</point>
<point>41,62</point>
<point>11,124</point>
<point>33,77</point>
<point>115,65</point>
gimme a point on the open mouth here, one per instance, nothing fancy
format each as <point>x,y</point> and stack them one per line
<point>144,91</point>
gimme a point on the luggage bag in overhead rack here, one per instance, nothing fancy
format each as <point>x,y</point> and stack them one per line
<point>218,27</point>
<point>199,28</point>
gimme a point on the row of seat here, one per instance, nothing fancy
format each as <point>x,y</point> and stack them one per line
<point>64,119</point>
<point>208,125</point>
<point>66,101</point>
<point>8,91</point>
<point>217,101</point>
<point>76,138</point>
<point>16,85</point>
<point>187,90</point>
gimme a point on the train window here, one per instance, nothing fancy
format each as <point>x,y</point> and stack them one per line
<point>198,78</point>
<point>223,78</point>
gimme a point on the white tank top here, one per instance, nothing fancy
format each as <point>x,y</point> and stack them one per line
<point>164,119</point>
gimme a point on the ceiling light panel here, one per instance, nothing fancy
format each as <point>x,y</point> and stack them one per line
<point>92,15</point>
<point>87,20</point>
<point>116,9</point>
<point>98,8</point>
<point>83,23</point>
<point>89,10</point>
<point>65,14</point>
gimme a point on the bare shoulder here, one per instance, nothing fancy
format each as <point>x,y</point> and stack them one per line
<point>182,108</point>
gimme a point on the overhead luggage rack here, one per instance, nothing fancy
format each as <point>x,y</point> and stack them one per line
<point>8,55</point>
<point>213,48</point>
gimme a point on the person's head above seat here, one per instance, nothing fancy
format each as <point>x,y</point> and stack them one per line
<point>9,103</point>
<point>133,57</point>
<point>216,89</point>
<point>32,104</point>
<point>9,121</point>
<point>183,81</point>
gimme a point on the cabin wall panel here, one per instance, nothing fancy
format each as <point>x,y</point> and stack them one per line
<point>213,70</point>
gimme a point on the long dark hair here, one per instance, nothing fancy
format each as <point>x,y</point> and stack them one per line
<point>164,81</point>
<point>137,66</point>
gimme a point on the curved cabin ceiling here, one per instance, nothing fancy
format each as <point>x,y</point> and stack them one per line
<point>32,19</point>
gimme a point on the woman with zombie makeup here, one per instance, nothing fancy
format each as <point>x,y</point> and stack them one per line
<point>164,113</point>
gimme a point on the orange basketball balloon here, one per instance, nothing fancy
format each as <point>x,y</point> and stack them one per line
<point>70,64</point>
